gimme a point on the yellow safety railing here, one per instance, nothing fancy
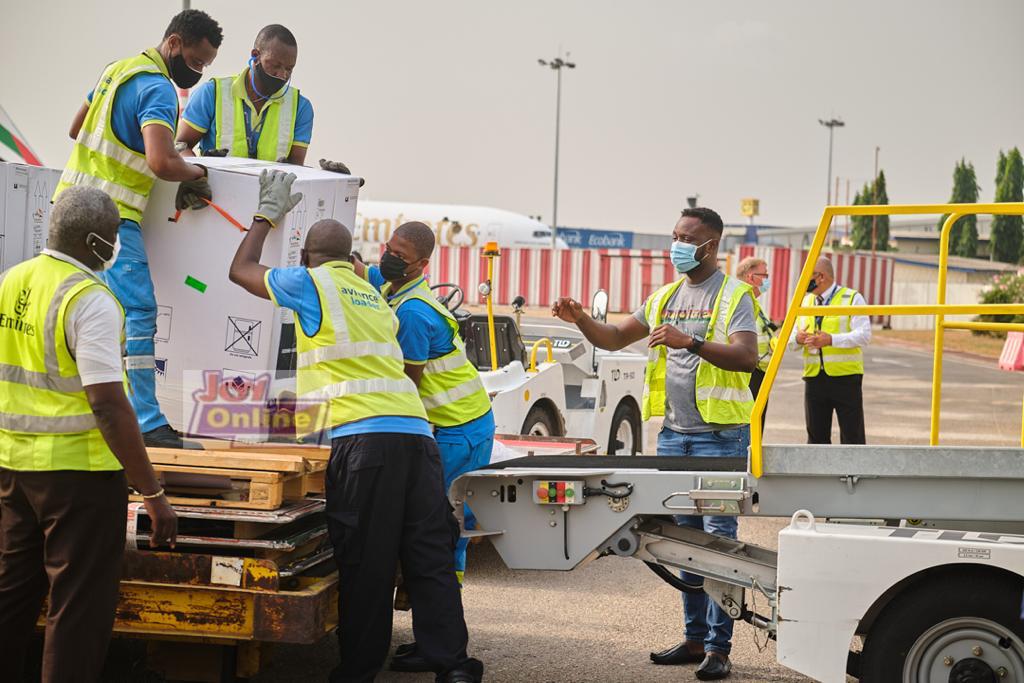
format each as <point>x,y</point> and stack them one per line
<point>940,309</point>
<point>533,352</point>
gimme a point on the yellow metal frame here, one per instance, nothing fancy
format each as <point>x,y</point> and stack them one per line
<point>533,352</point>
<point>491,252</point>
<point>940,309</point>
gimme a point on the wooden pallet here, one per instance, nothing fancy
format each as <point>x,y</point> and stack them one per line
<point>248,479</point>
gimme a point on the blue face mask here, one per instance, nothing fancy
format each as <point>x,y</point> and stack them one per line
<point>766,285</point>
<point>684,256</point>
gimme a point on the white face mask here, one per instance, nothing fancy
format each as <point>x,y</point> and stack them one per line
<point>106,263</point>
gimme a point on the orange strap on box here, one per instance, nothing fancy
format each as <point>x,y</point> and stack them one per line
<point>227,216</point>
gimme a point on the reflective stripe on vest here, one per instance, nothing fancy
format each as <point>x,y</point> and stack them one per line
<point>99,159</point>
<point>353,363</point>
<point>451,388</point>
<point>838,362</point>
<point>721,396</point>
<point>46,421</point>
<point>278,115</point>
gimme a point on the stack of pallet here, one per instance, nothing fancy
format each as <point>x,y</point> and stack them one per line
<point>253,502</point>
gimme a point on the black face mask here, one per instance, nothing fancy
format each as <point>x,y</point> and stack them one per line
<point>182,74</point>
<point>266,83</point>
<point>811,286</point>
<point>391,267</point>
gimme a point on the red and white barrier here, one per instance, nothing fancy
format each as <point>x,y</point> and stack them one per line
<point>543,275</point>
<point>869,275</point>
<point>1012,357</point>
<point>631,275</point>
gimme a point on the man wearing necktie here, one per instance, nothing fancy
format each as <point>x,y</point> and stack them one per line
<point>833,359</point>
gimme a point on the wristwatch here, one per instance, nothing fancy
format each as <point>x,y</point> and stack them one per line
<point>696,343</point>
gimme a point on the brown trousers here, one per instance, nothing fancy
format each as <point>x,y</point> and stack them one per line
<point>62,537</point>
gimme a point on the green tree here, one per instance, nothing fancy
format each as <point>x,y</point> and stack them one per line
<point>872,193</point>
<point>963,238</point>
<point>1008,231</point>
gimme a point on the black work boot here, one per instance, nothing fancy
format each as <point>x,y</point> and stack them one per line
<point>715,667</point>
<point>470,671</point>
<point>167,436</point>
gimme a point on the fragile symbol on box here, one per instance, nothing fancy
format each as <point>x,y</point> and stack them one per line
<point>242,337</point>
<point>163,323</point>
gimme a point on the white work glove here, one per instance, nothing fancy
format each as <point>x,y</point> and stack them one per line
<point>276,198</point>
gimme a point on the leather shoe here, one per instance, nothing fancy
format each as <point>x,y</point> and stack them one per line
<point>715,667</point>
<point>679,654</point>
<point>410,662</point>
<point>405,649</point>
<point>470,671</point>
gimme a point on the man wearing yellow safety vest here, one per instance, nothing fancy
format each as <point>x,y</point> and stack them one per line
<point>258,113</point>
<point>754,271</point>
<point>124,141</point>
<point>68,437</point>
<point>386,503</point>
<point>833,359</point>
<point>449,384</point>
<point>703,346</point>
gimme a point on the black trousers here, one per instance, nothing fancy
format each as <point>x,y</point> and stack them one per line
<point>823,395</point>
<point>62,537</point>
<point>756,377</point>
<point>386,505</point>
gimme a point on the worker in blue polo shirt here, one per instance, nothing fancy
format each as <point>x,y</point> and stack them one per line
<point>257,114</point>
<point>435,359</point>
<point>124,141</point>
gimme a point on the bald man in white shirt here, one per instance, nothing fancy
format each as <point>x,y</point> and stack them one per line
<point>833,359</point>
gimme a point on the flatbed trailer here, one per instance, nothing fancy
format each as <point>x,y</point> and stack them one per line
<point>927,604</point>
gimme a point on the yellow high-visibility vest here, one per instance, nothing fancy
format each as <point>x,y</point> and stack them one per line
<point>99,158</point>
<point>46,422</point>
<point>353,366</point>
<point>275,120</point>
<point>723,397</point>
<point>765,338</point>
<point>837,362</point>
<point>450,388</point>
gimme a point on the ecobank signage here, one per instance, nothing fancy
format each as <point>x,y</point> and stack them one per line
<point>581,238</point>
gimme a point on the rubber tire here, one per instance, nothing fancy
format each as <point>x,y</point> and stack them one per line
<point>629,412</point>
<point>988,595</point>
<point>539,413</point>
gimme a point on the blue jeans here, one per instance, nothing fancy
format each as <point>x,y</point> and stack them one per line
<point>131,283</point>
<point>461,453</point>
<point>704,619</point>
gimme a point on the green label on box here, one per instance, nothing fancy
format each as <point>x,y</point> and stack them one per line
<point>195,284</point>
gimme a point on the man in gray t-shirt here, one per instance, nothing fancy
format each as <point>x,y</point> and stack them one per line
<point>706,325</point>
<point>689,310</point>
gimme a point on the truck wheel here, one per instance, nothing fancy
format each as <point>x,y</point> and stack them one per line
<point>540,422</point>
<point>625,435</point>
<point>965,628</point>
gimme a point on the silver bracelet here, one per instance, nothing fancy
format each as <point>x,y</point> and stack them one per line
<point>153,495</point>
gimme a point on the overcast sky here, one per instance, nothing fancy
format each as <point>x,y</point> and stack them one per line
<point>443,101</point>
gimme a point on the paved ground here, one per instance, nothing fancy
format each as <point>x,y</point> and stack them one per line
<point>598,623</point>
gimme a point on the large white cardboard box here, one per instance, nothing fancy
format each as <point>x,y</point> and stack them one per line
<point>208,327</point>
<point>24,210</point>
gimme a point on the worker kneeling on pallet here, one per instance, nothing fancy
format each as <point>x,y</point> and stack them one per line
<point>386,502</point>
<point>67,435</point>
<point>703,346</point>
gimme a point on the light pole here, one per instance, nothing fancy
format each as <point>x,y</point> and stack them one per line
<point>557,64</point>
<point>874,200</point>
<point>831,124</point>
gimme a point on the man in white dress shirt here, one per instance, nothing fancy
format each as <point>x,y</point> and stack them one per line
<point>833,359</point>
